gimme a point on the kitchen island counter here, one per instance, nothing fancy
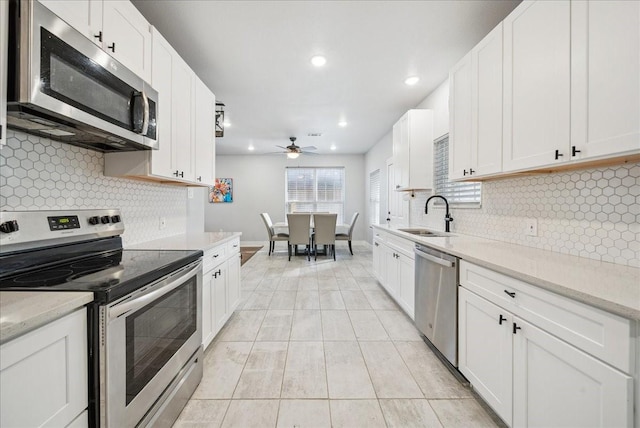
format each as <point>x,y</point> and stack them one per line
<point>607,286</point>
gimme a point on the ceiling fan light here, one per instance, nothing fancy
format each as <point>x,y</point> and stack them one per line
<point>318,60</point>
<point>293,155</point>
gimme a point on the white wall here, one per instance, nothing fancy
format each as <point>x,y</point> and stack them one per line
<point>259,184</point>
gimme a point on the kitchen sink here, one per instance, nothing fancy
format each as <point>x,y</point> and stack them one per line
<point>422,232</point>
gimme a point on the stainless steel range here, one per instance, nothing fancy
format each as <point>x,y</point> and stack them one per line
<point>145,334</point>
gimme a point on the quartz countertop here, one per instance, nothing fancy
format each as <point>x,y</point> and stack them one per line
<point>22,311</point>
<point>190,241</point>
<point>607,286</point>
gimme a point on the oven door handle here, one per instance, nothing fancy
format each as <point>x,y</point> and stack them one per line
<point>142,301</point>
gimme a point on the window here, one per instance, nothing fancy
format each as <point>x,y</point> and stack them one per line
<point>468,194</point>
<point>315,190</point>
<point>374,197</point>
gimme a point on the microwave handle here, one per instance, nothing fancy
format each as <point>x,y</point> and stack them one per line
<point>142,301</point>
<point>140,105</point>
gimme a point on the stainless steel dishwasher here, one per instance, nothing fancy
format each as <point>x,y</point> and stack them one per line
<point>436,300</point>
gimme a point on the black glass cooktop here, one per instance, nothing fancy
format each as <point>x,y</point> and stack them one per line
<point>109,274</point>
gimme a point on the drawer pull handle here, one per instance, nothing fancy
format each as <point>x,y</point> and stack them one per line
<point>216,255</point>
<point>501,319</point>
<point>516,328</point>
<point>511,294</point>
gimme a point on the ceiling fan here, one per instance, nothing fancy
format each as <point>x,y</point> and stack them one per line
<point>293,151</point>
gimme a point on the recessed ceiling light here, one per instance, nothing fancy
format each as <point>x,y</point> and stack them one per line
<point>411,80</point>
<point>342,124</point>
<point>318,60</point>
<point>251,148</point>
<point>333,147</point>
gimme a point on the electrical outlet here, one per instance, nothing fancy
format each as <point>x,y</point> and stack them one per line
<point>163,222</point>
<point>532,227</point>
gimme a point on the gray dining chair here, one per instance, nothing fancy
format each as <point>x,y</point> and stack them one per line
<point>346,236</point>
<point>299,232</point>
<point>273,235</point>
<point>324,232</point>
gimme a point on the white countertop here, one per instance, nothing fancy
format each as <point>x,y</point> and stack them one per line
<point>611,287</point>
<point>22,311</point>
<point>194,241</point>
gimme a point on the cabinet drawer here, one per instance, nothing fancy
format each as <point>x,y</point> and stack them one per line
<point>214,257</point>
<point>599,333</point>
<point>403,245</point>
<point>233,246</point>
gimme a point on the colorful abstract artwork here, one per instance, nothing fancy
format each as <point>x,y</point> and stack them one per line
<point>222,190</point>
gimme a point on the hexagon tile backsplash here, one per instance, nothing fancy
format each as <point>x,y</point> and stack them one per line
<point>41,174</point>
<point>591,213</point>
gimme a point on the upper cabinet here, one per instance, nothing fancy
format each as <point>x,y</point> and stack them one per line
<point>569,86</point>
<point>475,97</point>
<point>186,126</point>
<point>114,25</point>
<point>3,71</point>
<point>413,150</point>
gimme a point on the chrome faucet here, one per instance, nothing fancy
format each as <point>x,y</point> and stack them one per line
<point>447,218</point>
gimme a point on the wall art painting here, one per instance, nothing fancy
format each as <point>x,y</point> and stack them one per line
<point>222,190</point>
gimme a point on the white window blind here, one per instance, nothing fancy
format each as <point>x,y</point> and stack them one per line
<point>374,197</point>
<point>315,190</point>
<point>456,193</point>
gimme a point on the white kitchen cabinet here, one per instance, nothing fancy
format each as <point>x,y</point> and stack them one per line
<point>558,362</point>
<point>4,11</point>
<point>537,84</point>
<point>114,25</point>
<point>460,106</point>
<point>413,150</point>
<point>394,266</point>
<point>605,87</point>
<point>205,133</point>
<point>44,375</point>
<point>186,121</point>
<point>555,384</point>
<point>485,350</point>
<point>221,284</point>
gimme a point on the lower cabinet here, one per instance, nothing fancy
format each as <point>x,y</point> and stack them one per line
<point>528,375</point>
<point>44,375</point>
<point>394,267</point>
<point>220,288</point>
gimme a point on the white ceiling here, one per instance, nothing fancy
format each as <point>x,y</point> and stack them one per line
<point>255,56</point>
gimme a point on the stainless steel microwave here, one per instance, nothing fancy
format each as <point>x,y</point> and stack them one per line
<point>64,87</point>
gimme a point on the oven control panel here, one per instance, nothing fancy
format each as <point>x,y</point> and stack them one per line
<point>20,230</point>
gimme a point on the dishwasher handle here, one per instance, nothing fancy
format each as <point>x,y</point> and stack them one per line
<point>438,260</point>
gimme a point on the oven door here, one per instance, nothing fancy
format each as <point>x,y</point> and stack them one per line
<point>146,341</point>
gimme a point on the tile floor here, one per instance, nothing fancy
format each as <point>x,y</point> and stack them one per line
<point>320,344</point>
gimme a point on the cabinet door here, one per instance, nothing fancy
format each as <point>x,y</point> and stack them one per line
<point>83,15</point>
<point>378,261</point>
<point>44,374</point>
<point>460,104</point>
<point>392,267</point>
<point>161,80</point>
<point>556,384</point>
<point>401,151</point>
<point>486,123</point>
<point>207,309</point>
<point>485,350</point>
<point>181,137</point>
<point>220,298</point>
<point>127,36</point>
<point>537,73</point>
<point>605,87</point>
<point>407,281</point>
<point>233,283</point>
<point>204,141</point>
<point>4,11</point>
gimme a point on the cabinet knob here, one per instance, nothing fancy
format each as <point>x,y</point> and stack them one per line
<point>574,151</point>
<point>98,36</point>
<point>376,244</point>
<point>112,46</point>
<point>511,294</point>
<point>501,319</point>
<point>464,172</point>
<point>471,171</point>
<point>516,328</point>
<point>199,178</point>
<point>558,154</point>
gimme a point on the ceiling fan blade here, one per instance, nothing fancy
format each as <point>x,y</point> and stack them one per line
<point>310,153</point>
<point>309,148</point>
<point>281,147</point>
